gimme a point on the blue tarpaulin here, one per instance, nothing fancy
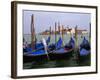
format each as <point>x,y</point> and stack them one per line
<point>72,42</point>
<point>84,52</point>
<point>38,52</point>
<point>59,43</point>
<point>48,40</point>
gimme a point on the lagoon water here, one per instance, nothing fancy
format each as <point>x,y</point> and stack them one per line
<point>66,38</point>
<point>72,62</point>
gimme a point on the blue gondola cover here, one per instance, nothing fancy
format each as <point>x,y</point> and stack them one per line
<point>72,42</point>
<point>59,43</point>
<point>48,40</point>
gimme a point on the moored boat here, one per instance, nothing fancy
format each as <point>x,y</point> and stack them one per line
<point>84,51</point>
<point>62,52</point>
<point>38,54</point>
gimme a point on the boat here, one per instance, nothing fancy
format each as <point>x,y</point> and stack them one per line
<point>84,51</point>
<point>39,54</point>
<point>62,52</point>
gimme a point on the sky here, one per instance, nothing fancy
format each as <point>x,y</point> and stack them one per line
<point>43,20</point>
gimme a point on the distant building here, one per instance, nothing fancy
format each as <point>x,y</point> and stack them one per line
<point>79,31</point>
<point>46,32</point>
<point>64,31</point>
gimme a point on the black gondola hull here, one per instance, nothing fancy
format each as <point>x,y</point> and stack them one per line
<point>51,56</point>
<point>60,56</point>
<point>31,58</point>
<point>84,57</point>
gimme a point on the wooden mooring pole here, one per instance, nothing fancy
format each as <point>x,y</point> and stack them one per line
<point>32,32</point>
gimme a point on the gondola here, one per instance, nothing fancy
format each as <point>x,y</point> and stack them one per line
<point>62,52</point>
<point>84,51</point>
<point>36,55</point>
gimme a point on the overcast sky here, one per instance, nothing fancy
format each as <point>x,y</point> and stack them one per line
<point>43,20</point>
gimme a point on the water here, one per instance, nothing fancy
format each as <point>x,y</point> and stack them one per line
<point>66,38</point>
<point>73,61</point>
